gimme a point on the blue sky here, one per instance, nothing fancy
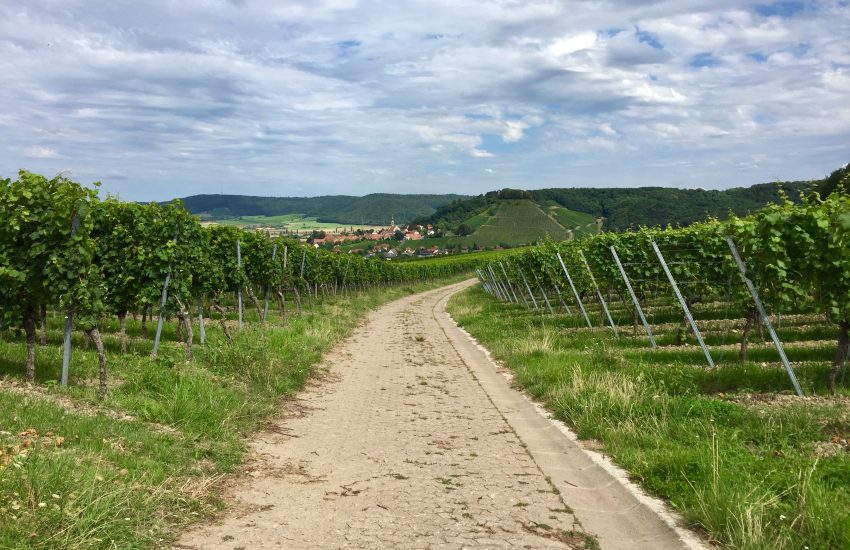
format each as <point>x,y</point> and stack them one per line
<point>159,99</point>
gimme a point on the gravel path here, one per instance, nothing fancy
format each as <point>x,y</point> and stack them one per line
<point>401,445</point>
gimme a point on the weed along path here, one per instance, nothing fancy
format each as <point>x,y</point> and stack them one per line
<point>411,439</point>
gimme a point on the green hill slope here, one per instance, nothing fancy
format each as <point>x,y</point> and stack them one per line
<point>514,222</point>
<point>518,222</point>
<point>621,208</point>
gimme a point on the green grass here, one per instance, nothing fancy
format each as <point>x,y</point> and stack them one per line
<point>731,449</point>
<point>128,472</point>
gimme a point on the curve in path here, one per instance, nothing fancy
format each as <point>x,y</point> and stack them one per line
<point>411,439</point>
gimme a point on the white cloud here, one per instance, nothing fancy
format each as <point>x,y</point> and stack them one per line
<point>40,152</point>
<point>571,44</point>
<point>513,131</point>
<point>330,96</point>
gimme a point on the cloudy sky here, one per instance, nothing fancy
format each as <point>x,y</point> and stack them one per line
<point>296,98</point>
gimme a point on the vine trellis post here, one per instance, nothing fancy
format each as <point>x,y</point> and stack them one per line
<point>528,288</point>
<point>575,292</point>
<point>764,317</point>
<point>69,320</point>
<point>162,300</point>
<point>635,301</point>
<point>239,287</point>
<point>684,305</point>
<point>599,293</point>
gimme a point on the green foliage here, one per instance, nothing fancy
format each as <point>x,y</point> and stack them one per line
<point>43,259</point>
<point>795,254</point>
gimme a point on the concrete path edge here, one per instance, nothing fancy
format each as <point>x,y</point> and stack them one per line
<point>606,502</point>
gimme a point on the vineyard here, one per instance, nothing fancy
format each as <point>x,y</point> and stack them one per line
<point>62,249</point>
<point>201,331</point>
<point>785,270</point>
<point>710,362</point>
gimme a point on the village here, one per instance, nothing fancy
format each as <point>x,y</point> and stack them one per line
<point>389,242</point>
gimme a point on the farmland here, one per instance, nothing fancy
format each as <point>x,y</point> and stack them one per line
<point>185,338</point>
<point>154,404</point>
<point>719,432</point>
<point>296,224</point>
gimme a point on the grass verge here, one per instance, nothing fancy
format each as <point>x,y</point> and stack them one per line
<point>130,471</point>
<point>750,467</point>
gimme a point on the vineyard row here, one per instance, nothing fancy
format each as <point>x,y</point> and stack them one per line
<point>784,259</point>
<point>62,247</point>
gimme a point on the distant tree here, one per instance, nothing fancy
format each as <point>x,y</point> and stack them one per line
<point>834,182</point>
<point>463,230</point>
<point>316,234</point>
<point>398,235</point>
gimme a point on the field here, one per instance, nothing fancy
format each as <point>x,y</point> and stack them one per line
<point>732,449</point>
<point>289,223</point>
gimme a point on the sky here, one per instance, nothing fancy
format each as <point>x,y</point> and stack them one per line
<point>162,99</point>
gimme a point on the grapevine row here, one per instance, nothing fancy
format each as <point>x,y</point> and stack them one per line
<point>794,254</point>
<point>60,246</point>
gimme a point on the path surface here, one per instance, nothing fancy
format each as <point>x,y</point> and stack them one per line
<point>413,440</point>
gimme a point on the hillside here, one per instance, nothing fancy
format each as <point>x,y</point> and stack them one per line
<point>376,208</point>
<point>516,222</point>
<point>621,208</point>
<point>650,206</point>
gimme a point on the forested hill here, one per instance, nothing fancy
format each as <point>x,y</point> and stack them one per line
<point>624,208</point>
<point>650,206</point>
<point>621,207</point>
<point>376,208</point>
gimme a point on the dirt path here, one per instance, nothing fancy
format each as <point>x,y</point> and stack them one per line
<point>413,441</point>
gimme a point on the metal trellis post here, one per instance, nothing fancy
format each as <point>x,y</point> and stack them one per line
<point>543,293</point>
<point>634,297</point>
<point>561,299</point>
<point>575,292</point>
<point>69,321</point>
<point>684,305</point>
<point>268,288</point>
<point>510,286</point>
<point>203,334</point>
<point>754,293</point>
<point>239,288</point>
<point>497,292</point>
<point>162,301</point>
<point>528,288</point>
<point>499,286</point>
<point>599,293</point>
